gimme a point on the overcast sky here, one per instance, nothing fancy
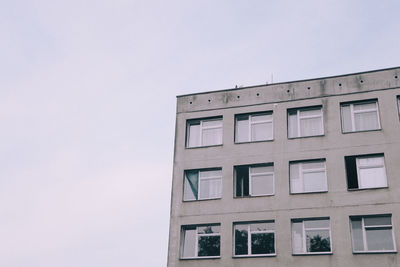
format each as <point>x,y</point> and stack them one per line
<point>87,106</point>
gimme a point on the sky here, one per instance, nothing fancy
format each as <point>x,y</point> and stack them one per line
<point>88,103</point>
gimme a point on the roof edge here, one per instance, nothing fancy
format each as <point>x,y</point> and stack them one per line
<point>295,81</point>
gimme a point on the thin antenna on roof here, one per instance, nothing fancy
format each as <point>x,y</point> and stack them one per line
<point>272,78</point>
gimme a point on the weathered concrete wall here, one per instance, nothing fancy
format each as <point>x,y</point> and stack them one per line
<point>338,203</point>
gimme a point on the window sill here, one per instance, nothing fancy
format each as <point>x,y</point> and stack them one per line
<point>307,193</point>
<point>250,142</point>
<point>363,189</point>
<point>254,256</point>
<point>201,258</point>
<point>195,147</point>
<point>310,136</point>
<point>196,200</point>
<point>376,252</point>
<point>247,197</point>
<point>363,131</point>
<point>313,253</point>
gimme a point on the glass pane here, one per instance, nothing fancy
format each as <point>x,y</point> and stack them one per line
<point>258,227</point>
<point>261,117</point>
<point>210,188</point>
<point>212,136</point>
<point>241,240</point>
<point>262,185</point>
<point>292,125</point>
<point>262,243</point>
<point>318,241</point>
<point>309,165</point>
<point>212,123</point>
<point>191,185</point>
<point>208,246</point>
<point>209,229</point>
<point>211,173</point>
<point>242,130</point>
<point>366,121</point>
<point>398,104</point>
<point>316,224</point>
<point>372,177</point>
<point>261,131</point>
<point>194,135</point>
<point>346,119</point>
<point>261,169</point>
<point>357,235</point>
<point>189,243</point>
<point>242,181</point>
<point>371,221</point>
<point>379,239</point>
<point>310,112</point>
<point>296,185</point>
<point>314,181</point>
<point>297,237</point>
<point>364,106</point>
<point>311,127</point>
<point>370,161</point>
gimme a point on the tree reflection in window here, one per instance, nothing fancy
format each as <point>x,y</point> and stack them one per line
<point>209,246</point>
<point>318,244</point>
<point>200,241</point>
<point>255,238</point>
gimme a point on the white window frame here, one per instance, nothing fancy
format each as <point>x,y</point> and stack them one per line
<point>260,174</point>
<point>249,233</point>
<point>359,167</point>
<point>304,238</point>
<point>398,105</point>
<point>209,178</point>
<point>200,178</point>
<point>353,112</point>
<point>364,234</point>
<point>202,128</point>
<point>251,123</point>
<point>299,118</point>
<point>197,241</point>
<point>251,175</point>
<point>316,170</point>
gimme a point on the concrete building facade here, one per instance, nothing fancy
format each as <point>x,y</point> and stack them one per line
<point>302,173</point>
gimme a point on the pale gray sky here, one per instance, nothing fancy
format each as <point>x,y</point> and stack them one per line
<point>87,106</point>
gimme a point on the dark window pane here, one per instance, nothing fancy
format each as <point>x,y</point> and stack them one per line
<point>242,181</point>
<point>209,229</point>
<point>208,246</point>
<point>318,241</point>
<point>191,185</point>
<point>382,220</point>
<point>241,237</point>
<point>351,171</point>
<point>262,243</point>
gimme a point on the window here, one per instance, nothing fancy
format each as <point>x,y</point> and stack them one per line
<point>204,132</point>
<point>360,116</point>
<point>372,233</point>
<point>367,171</point>
<point>305,122</point>
<point>308,176</point>
<point>254,127</point>
<point>202,184</point>
<point>254,180</point>
<point>311,236</point>
<point>254,239</point>
<point>398,104</point>
<point>200,241</point>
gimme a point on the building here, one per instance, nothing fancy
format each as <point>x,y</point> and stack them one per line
<point>302,173</point>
